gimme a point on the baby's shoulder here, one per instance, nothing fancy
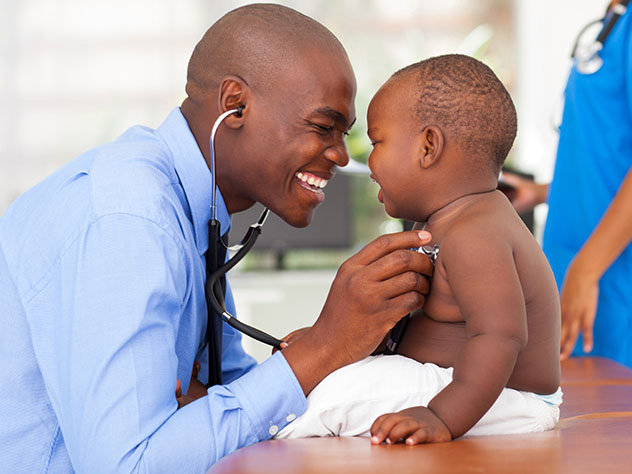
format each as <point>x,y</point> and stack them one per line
<point>479,223</point>
<point>481,230</point>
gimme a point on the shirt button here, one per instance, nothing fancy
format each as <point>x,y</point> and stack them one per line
<point>290,417</point>
<point>274,429</point>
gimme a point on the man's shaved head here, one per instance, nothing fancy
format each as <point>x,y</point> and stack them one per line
<point>256,43</point>
<point>297,88</point>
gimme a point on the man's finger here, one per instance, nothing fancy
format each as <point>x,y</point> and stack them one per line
<point>400,261</point>
<point>178,388</point>
<point>404,283</point>
<point>388,243</point>
<point>398,307</point>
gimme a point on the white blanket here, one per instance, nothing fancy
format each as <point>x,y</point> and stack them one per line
<point>347,402</point>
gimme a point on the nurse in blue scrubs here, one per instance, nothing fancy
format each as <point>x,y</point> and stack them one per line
<point>589,225</point>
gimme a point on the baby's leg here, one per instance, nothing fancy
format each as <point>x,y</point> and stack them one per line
<point>347,402</point>
<point>517,412</point>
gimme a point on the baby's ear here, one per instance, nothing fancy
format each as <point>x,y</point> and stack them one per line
<point>430,146</point>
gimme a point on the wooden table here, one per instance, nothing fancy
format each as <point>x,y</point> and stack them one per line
<point>593,436</point>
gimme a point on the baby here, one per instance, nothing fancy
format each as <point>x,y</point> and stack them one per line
<point>482,357</point>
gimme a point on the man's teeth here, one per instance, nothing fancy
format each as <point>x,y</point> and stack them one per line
<point>312,180</point>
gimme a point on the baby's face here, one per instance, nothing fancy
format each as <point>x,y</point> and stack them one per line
<point>394,159</point>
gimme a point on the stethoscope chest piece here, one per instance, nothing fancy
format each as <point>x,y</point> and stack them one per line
<point>589,61</point>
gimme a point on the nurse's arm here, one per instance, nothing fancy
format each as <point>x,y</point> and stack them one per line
<point>528,193</point>
<point>579,293</point>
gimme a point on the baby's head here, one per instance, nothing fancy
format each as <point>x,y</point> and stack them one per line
<point>441,129</point>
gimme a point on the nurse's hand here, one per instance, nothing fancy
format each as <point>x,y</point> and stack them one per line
<point>578,298</point>
<point>526,193</point>
<point>371,292</point>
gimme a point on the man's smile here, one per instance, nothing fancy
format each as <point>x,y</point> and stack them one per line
<point>312,182</point>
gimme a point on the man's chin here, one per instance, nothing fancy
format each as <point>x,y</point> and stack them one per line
<point>298,219</point>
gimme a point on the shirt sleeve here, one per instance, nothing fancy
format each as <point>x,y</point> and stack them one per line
<point>110,364</point>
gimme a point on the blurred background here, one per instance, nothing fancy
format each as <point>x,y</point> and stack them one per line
<point>77,73</point>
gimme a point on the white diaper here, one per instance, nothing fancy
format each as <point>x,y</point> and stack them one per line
<point>347,402</point>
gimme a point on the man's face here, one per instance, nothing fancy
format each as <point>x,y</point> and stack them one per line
<point>393,161</point>
<point>298,130</point>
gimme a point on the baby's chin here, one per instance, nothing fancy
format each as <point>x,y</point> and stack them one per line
<point>394,214</point>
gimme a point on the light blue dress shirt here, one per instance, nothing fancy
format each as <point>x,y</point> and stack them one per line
<point>102,308</point>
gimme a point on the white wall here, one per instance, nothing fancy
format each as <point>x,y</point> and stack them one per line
<point>545,33</point>
<point>77,73</point>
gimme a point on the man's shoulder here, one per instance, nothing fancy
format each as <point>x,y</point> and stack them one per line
<point>133,174</point>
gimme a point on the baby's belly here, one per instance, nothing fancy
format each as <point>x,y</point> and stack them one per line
<point>537,368</point>
<point>428,340</point>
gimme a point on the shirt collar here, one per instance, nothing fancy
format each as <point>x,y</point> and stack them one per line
<point>194,176</point>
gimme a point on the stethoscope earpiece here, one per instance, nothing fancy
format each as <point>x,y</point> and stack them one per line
<point>217,269</point>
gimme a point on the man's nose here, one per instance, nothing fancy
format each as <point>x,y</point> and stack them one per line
<point>338,153</point>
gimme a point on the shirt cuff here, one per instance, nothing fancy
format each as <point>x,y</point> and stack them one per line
<point>270,395</point>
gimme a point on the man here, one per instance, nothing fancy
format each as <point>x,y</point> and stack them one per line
<point>102,265</point>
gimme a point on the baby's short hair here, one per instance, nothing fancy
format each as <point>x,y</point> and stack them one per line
<point>461,94</point>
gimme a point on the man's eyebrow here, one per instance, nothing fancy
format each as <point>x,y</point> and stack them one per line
<point>335,116</point>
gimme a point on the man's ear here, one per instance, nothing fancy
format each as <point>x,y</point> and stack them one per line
<point>233,94</point>
<point>431,146</point>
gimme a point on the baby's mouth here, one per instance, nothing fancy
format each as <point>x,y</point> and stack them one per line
<point>312,182</point>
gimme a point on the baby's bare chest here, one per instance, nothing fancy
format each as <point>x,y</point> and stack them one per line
<point>441,305</point>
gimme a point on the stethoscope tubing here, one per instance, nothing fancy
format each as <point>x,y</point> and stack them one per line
<point>251,236</point>
<point>246,244</point>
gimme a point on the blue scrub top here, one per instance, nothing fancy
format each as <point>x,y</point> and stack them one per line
<point>594,155</point>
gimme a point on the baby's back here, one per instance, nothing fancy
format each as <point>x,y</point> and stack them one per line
<point>491,278</point>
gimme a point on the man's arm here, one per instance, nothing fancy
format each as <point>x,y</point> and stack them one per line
<point>580,290</point>
<point>111,366</point>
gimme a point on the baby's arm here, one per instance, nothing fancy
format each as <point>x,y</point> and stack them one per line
<point>480,268</point>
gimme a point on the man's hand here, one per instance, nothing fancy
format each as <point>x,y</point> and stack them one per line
<point>371,292</point>
<point>578,299</point>
<point>413,426</point>
<point>290,338</point>
<point>196,388</point>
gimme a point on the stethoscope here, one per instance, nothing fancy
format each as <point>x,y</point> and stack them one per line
<point>587,56</point>
<point>218,269</point>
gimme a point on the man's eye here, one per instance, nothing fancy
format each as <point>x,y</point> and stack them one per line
<point>323,128</point>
